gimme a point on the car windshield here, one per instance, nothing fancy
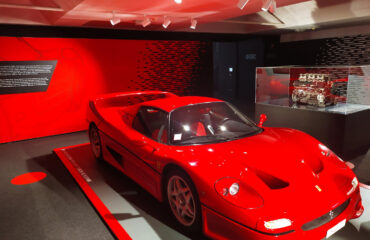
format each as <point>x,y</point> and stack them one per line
<point>205,123</point>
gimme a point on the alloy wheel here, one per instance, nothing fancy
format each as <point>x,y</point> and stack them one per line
<point>181,200</point>
<point>95,142</point>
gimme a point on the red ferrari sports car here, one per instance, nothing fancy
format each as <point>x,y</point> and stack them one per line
<point>220,172</point>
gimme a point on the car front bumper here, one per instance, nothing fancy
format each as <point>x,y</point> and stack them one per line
<point>218,226</point>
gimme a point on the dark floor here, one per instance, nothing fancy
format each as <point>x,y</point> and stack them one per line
<point>54,208</point>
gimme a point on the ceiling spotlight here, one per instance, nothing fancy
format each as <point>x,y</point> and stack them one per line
<point>242,3</point>
<point>266,5</point>
<point>146,22</point>
<point>114,20</point>
<point>166,22</point>
<point>178,1</point>
<point>193,23</point>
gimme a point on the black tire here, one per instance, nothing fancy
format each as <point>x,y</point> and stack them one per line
<point>189,225</point>
<point>95,142</point>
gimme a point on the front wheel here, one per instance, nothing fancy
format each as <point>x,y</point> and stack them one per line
<point>183,200</point>
<point>95,142</point>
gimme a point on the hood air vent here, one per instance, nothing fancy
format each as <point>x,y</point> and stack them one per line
<point>271,181</point>
<point>315,164</point>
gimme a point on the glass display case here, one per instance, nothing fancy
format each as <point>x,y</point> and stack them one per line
<point>339,89</point>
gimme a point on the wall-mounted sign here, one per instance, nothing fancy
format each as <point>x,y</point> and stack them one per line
<point>25,76</point>
<point>250,56</point>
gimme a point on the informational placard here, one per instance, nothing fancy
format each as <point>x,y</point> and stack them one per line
<point>25,76</point>
<point>358,91</point>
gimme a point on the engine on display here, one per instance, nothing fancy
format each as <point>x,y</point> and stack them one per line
<point>315,89</point>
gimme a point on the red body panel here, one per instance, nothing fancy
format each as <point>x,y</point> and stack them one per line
<point>294,174</point>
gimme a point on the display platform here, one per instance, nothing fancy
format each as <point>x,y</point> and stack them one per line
<point>127,209</point>
<point>131,213</point>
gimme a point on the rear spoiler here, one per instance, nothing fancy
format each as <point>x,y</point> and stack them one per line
<point>129,98</point>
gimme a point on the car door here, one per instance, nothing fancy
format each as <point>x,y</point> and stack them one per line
<point>152,127</point>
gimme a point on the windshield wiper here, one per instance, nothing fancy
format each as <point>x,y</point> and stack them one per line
<point>217,137</point>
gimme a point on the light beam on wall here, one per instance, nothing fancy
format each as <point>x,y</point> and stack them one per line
<point>242,3</point>
<point>146,22</point>
<point>166,22</point>
<point>114,20</point>
<point>193,23</point>
<point>178,1</point>
<point>266,5</point>
<point>272,7</point>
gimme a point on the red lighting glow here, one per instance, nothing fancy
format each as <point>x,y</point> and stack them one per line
<point>28,178</point>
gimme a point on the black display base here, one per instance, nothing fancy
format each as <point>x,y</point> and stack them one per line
<point>347,135</point>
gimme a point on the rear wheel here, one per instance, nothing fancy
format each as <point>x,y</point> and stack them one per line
<point>95,141</point>
<point>183,200</point>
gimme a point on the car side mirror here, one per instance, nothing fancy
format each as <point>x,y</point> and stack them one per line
<point>263,118</point>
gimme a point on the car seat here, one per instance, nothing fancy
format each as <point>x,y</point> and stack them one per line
<point>198,128</point>
<point>160,134</point>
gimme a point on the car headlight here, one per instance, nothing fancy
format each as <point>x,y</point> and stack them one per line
<point>277,224</point>
<point>238,193</point>
<point>234,189</point>
<point>354,186</point>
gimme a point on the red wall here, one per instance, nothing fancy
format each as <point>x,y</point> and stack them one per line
<point>87,67</point>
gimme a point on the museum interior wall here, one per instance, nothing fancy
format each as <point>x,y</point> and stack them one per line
<point>89,67</point>
<point>347,50</point>
<point>234,71</point>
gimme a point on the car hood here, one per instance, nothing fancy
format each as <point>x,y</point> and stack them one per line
<point>286,167</point>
